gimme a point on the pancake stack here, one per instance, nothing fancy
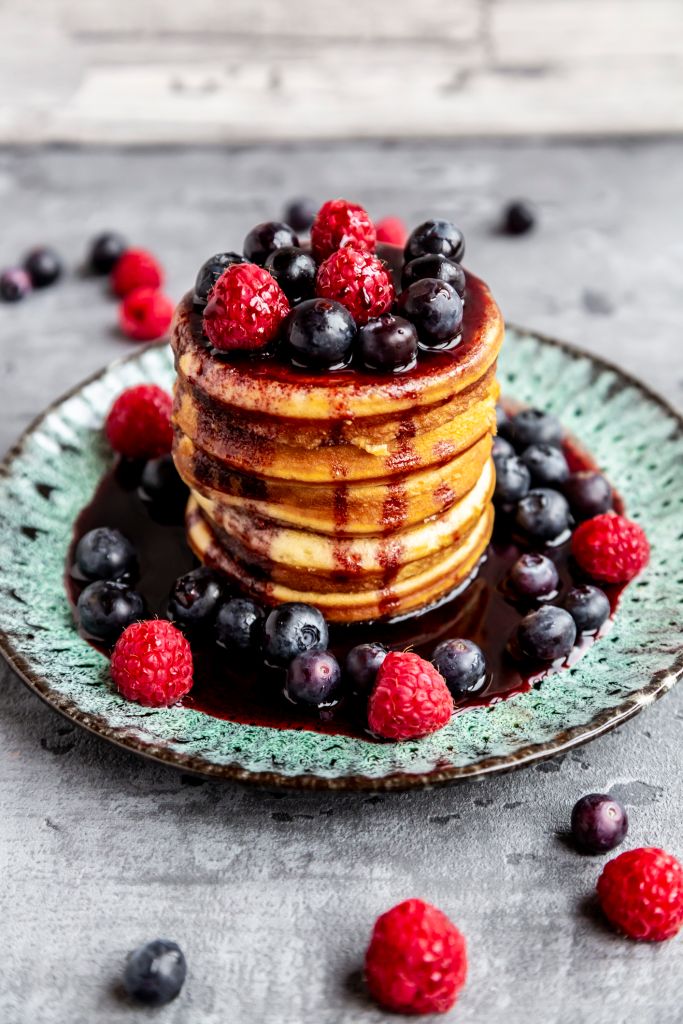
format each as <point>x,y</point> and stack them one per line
<point>366,495</point>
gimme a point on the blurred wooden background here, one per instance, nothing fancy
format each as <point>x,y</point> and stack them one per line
<point>204,70</point>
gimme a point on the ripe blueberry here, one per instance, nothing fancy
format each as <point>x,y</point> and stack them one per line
<point>519,217</point>
<point>319,334</point>
<point>436,310</point>
<point>291,629</point>
<point>543,515</point>
<point>588,493</point>
<point>155,972</point>
<point>436,237</point>
<point>512,479</point>
<point>266,238</point>
<point>195,598</point>
<point>43,266</point>
<point>532,426</point>
<point>362,665</point>
<point>547,465</point>
<point>314,679</point>
<point>210,271</point>
<point>294,270</point>
<point>105,252</point>
<point>15,284</point>
<point>388,343</point>
<point>105,554</point>
<point>106,607</point>
<point>462,664</point>
<point>435,266</point>
<point>599,823</point>
<point>546,634</point>
<point>588,606</point>
<point>534,577</point>
<point>238,624</point>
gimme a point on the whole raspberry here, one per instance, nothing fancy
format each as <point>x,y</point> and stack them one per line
<point>139,422</point>
<point>410,699</point>
<point>152,664</point>
<point>641,893</point>
<point>610,548</point>
<point>392,231</point>
<point>246,308</point>
<point>359,281</point>
<point>137,268</point>
<point>145,314</point>
<point>416,961</point>
<point>339,223</point>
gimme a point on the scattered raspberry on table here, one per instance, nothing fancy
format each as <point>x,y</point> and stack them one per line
<point>392,231</point>
<point>137,268</point>
<point>145,314</point>
<point>152,664</point>
<point>641,894</point>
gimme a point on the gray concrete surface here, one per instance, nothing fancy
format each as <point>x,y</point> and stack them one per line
<point>273,895</point>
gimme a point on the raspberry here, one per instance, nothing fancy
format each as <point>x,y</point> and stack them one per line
<point>246,308</point>
<point>339,223</point>
<point>641,893</point>
<point>359,281</point>
<point>416,961</point>
<point>392,230</point>
<point>152,664</point>
<point>145,314</point>
<point>137,268</point>
<point>139,422</point>
<point>410,699</point>
<point>610,548</point>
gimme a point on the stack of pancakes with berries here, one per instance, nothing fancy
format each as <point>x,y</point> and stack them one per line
<point>334,413</point>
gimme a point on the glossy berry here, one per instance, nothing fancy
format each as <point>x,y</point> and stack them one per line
<point>546,634</point>
<point>502,422</point>
<point>152,664</point>
<point>543,515</point>
<point>15,284</point>
<point>519,217</point>
<point>599,823</point>
<point>138,425</point>
<point>610,548</point>
<point>392,231</point>
<point>194,599</point>
<point>358,280</point>
<point>463,666</point>
<point>362,665</point>
<point>106,607</point>
<point>588,493</point>
<point>295,271</point>
<point>512,479</point>
<point>43,266</point>
<point>300,213</point>
<point>547,465</point>
<point>313,679</point>
<point>266,238</point>
<point>436,237</point>
<point>320,334</point>
<point>145,314</point>
<point>162,489</point>
<point>534,577</point>
<point>501,448</point>
<point>435,266</point>
<point>338,223</point>
<point>238,624</point>
<point>105,554</point>
<point>387,344</point>
<point>246,309</point>
<point>436,310</point>
<point>210,271</point>
<point>155,972</point>
<point>409,699</point>
<point>291,629</point>
<point>532,426</point>
<point>416,962</point>
<point>105,252</point>
<point>588,606</point>
<point>641,894</point>
<point>137,268</point>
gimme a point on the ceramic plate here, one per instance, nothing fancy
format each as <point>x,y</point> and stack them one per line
<point>52,473</point>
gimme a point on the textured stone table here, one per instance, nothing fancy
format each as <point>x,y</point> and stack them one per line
<point>272,895</point>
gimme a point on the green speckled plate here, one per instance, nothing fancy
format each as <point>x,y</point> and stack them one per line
<point>52,472</point>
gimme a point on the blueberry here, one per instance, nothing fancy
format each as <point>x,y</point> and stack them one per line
<point>106,607</point>
<point>362,665</point>
<point>543,515</point>
<point>435,266</point>
<point>294,270</point>
<point>531,426</point>
<point>155,972</point>
<point>210,271</point>
<point>436,310</point>
<point>388,343</point>
<point>518,217</point>
<point>195,598</point>
<point>547,465</point>
<point>588,493</point>
<point>43,266</point>
<point>162,489</point>
<point>238,624</point>
<point>300,213</point>
<point>105,252</point>
<point>546,634</point>
<point>314,679</point>
<point>319,334</point>
<point>512,479</point>
<point>105,554</point>
<point>291,629</point>
<point>463,666</point>
<point>599,823</point>
<point>15,284</point>
<point>436,237</point>
<point>502,422</point>
<point>266,238</point>
<point>534,576</point>
<point>501,448</point>
<point>588,606</point>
